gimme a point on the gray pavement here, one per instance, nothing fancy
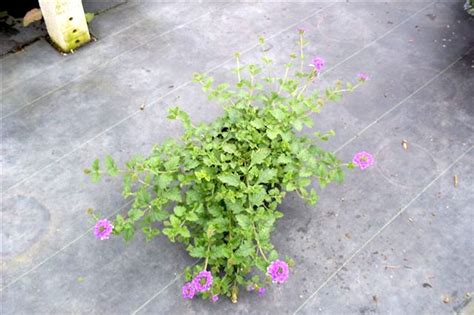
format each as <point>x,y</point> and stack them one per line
<point>394,239</point>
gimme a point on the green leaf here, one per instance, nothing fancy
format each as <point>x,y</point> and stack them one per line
<point>135,214</point>
<point>164,180</point>
<point>273,255</point>
<point>257,157</point>
<point>179,210</point>
<point>175,221</point>
<point>244,221</point>
<point>110,166</point>
<point>231,179</point>
<point>172,163</point>
<point>191,217</point>
<point>220,251</point>
<point>235,207</point>
<point>272,133</point>
<point>278,114</point>
<point>258,123</point>
<point>197,252</point>
<point>298,124</point>
<point>246,249</point>
<point>95,174</point>
<point>267,175</point>
<point>283,159</point>
<point>184,232</point>
<point>173,194</point>
<point>229,148</point>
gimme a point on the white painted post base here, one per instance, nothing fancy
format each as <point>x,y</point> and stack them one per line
<point>66,23</point>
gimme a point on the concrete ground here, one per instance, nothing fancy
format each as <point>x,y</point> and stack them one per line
<point>394,239</point>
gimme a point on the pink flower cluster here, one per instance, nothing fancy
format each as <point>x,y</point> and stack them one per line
<point>318,63</point>
<point>279,271</point>
<point>102,229</point>
<point>362,77</point>
<point>363,160</point>
<point>201,283</point>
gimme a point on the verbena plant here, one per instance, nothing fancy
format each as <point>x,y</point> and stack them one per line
<point>218,189</point>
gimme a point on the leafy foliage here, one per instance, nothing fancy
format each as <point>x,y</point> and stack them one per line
<point>217,190</point>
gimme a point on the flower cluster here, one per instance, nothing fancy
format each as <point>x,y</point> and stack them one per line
<point>102,229</point>
<point>279,271</point>
<point>201,283</point>
<point>363,160</point>
<point>318,64</point>
<point>362,77</point>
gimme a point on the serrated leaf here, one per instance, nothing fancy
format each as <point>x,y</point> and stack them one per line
<point>298,124</point>
<point>267,175</point>
<point>197,252</point>
<point>231,179</point>
<point>179,210</point>
<point>278,114</point>
<point>164,180</point>
<point>229,148</point>
<point>110,166</point>
<point>184,232</point>
<point>257,123</point>
<point>244,221</point>
<point>173,194</point>
<point>135,214</point>
<point>96,165</point>
<point>257,157</point>
<point>191,217</point>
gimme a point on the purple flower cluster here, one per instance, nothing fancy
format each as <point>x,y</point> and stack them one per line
<point>318,63</point>
<point>201,283</point>
<point>102,229</point>
<point>279,271</point>
<point>362,77</point>
<point>363,159</point>
<point>188,290</point>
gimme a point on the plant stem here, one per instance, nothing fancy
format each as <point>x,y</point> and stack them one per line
<point>207,255</point>
<point>301,53</point>
<point>252,78</point>
<point>258,243</point>
<point>143,182</point>
<point>284,78</point>
<point>238,67</point>
<point>304,86</point>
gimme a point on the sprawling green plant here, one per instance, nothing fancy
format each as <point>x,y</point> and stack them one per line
<point>218,189</point>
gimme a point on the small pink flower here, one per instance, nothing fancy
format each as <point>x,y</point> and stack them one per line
<point>102,229</point>
<point>215,298</point>
<point>188,291</point>
<point>362,77</point>
<point>279,271</point>
<point>318,63</point>
<point>203,281</point>
<point>261,291</point>
<point>301,30</point>
<point>363,159</point>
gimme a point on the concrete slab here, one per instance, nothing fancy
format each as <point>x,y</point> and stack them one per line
<point>418,264</point>
<point>124,135</point>
<point>419,91</point>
